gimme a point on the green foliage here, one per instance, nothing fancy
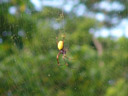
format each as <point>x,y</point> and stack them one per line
<point>28,65</point>
<point>120,89</point>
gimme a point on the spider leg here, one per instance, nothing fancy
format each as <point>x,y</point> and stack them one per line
<point>58,58</point>
<point>64,60</point>
<point>67,57</point>
<point>66,49</point>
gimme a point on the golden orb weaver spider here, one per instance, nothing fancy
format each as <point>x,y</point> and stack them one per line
<point>60,45</point>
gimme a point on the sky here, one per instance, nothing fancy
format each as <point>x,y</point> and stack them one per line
<point>117,31</point>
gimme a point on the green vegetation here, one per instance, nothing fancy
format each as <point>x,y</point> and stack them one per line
<point>28,65</point>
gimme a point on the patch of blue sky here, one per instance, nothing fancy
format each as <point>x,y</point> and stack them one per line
<point>80,10</point>
<point>12,10</point>
<point>108,6</point>
<point>54,3</point>
<point>121,29</point>
<point>37,4</point>
<point>100,17</point>
<point>117,31</point>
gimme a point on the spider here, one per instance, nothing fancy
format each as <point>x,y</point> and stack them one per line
<point>60,45</point>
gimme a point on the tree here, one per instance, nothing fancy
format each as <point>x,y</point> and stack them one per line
<point>98,66</point>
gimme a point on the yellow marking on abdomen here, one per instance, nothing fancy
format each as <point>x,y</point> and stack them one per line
<point>60,45</point>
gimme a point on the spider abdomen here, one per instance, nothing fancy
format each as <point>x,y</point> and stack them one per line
<point>60,45</point>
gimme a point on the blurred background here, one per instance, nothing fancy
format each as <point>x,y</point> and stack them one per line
<point>96,36</point>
